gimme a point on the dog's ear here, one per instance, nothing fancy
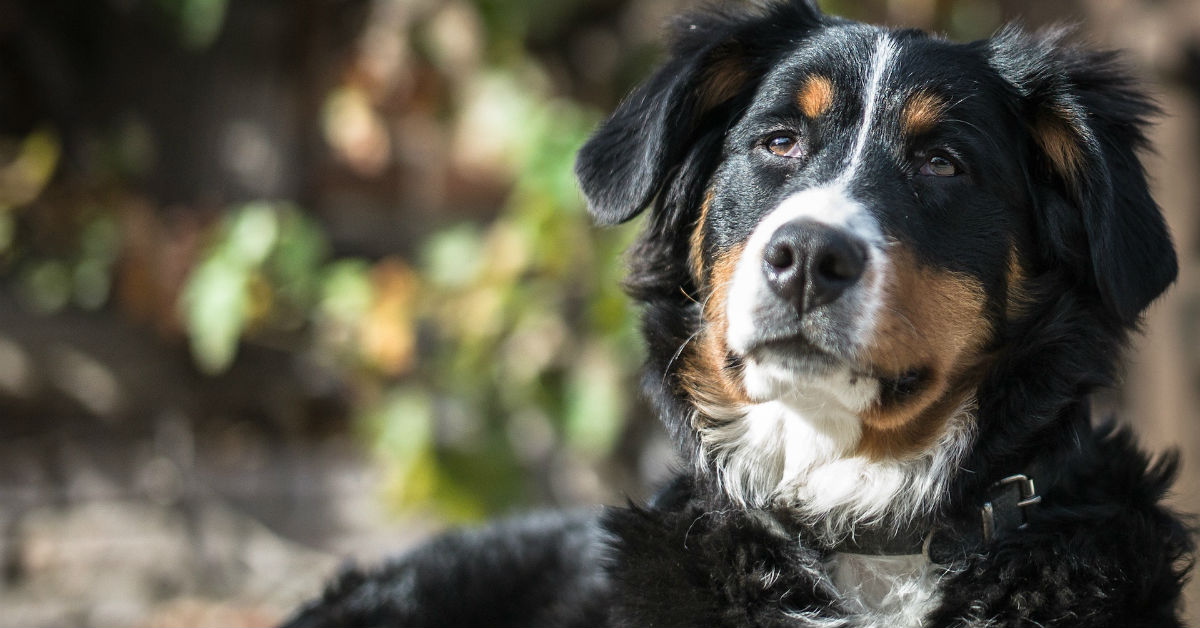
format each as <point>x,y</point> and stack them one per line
<point>627,160</point>
<point>1087,118</point>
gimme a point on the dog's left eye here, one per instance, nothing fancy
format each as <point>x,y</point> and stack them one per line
<point>784,145</point>
<point>939,166</point>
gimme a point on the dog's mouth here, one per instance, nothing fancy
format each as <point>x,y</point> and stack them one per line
<point>806,359</point>
<point>896,390</point>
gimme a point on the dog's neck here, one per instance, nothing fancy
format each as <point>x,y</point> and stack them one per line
<point>777,455</point>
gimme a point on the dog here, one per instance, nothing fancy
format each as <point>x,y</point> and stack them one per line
<point>880,277</point>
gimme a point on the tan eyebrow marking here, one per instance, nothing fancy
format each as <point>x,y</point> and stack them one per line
<point>922,112</point>
<point>815,96</point>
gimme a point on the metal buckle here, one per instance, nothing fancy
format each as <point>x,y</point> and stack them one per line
<point>1029,497</point>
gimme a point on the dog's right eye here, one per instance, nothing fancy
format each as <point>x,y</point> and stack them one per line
<point>784,145</point>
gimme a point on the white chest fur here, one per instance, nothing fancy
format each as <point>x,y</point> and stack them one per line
<point>798,454</point>
<point>886,591</point>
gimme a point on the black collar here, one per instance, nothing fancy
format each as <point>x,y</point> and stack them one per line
<point>1002,512</point>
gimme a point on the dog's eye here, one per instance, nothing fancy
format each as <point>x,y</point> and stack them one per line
<point>784,145</point>
<point>939,166</point>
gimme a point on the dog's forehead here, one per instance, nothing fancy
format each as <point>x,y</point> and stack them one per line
<point>857,58</point>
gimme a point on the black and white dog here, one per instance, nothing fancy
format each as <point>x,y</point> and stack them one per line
<point>880,276</point>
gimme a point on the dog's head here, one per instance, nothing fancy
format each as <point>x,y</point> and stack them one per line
<point>852,225</point>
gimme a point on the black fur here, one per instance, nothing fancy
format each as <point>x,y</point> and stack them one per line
<point>538,571</point>
<point>1128,245</point>
<point>1101,550</point>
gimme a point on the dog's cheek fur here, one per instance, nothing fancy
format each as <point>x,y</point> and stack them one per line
<point>933,320</point>
<point>713,385</point>
<point>696,241</point>
<point>1018,300</point>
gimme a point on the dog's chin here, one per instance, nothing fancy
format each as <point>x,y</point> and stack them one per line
<point>797,371</point>
<point>774,373</point>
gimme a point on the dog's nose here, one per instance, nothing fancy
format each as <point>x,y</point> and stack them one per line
<point>809,264</point>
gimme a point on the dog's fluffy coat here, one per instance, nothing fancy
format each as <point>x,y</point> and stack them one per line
<point>985,240</point>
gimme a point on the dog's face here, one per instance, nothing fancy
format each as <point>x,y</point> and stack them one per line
<point>859,238</point>
<point>852,225</point>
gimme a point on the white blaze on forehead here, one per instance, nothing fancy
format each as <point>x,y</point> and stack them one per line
<point>881,63</point>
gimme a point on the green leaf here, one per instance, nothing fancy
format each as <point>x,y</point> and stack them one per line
<point>92,281</point>
<point>346,292</point>
<point>200,22</point>
<point>301,249</point>
<point>252,233</point>
<point>101,240</point>
<point>24,178</point>
<point>46,286</point>
<point>214,304</point>
<point>402,423</point>
<point>452,257</point>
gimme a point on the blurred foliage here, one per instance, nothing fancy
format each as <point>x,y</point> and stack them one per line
<point>23,178</point>
<point>197,22</point>
<point>260,271</point>
<point>529,345</point>
<point>487,366</point>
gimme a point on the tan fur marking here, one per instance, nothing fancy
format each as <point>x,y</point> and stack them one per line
<point>725,79</point>
<point>931,320</point>
<point>703,375</point>
<point>1060,141</point>
<point>1018,299</point>
<point>922,112</point>
<point>816,96</point>
<point>915,434</point>
<point>696,241</point>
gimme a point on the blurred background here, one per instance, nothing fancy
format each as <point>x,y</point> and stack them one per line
<point>287,282</point>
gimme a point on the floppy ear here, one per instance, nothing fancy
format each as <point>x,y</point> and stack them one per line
<point>627,160</point>
<point>1087,118</point>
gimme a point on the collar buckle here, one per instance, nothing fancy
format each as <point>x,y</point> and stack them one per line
<point>1026,496</point>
